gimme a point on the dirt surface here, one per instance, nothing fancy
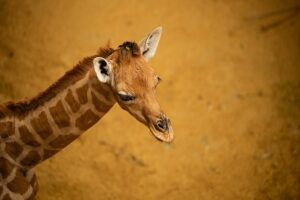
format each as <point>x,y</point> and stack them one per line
<point>231,85</point>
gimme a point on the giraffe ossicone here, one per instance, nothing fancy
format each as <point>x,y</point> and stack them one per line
<point>32,131</point>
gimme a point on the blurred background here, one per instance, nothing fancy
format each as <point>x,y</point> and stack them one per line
<point>231,85</point>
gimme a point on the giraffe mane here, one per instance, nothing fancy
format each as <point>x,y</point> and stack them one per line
<point>70,77</point>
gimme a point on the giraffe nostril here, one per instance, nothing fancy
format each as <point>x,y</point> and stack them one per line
<point>162,124</point>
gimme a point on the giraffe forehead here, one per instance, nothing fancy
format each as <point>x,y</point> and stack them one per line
<point>139,78</point>
<point>136,69</point>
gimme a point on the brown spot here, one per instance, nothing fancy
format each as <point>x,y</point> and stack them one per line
<point>6,197</point>
<point>1,189</point>
<point>5,168</point>
<point>32,158</point>
<point>19,184</point>
<point>70,99</point>
<point>100,106</point>
<point>82,94</point>
<point>27,137</point>
<point>86,120</point>
<point>6,129</point>
<point>60,115</point>
<point>100,90</point>
<point>48,153</point>
<point>41,125</point>
<point>13,149</point>
<point>62,141</point>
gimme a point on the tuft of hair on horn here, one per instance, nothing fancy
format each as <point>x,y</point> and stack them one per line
<point>131,47</point>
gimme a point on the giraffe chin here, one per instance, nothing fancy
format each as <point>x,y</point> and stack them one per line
<point>162,136</point>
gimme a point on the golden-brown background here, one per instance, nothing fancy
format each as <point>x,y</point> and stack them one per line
<point>231,85</point>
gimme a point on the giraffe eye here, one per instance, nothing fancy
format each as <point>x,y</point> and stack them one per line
<point>126,97</point>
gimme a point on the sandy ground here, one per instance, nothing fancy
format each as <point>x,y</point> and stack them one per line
<point>231,85</point>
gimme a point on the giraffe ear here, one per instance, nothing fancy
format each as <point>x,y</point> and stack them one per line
<point>103,69</point>
<point>149,44</point>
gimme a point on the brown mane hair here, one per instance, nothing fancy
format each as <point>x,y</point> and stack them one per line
<point>70,77</point>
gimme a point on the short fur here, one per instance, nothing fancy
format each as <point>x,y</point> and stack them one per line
<point>22,107</point>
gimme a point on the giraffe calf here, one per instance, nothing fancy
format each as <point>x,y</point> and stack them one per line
<point>34,130</point>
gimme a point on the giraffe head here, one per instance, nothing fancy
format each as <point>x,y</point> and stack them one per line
<point>134,82</point>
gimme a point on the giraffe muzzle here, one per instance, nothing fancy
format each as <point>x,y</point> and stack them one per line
<point>162,129</point>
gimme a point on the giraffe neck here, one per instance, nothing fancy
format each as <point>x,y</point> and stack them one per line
<point>55,124</point>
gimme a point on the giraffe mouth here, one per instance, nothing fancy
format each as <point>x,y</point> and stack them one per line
<point>163,135</point>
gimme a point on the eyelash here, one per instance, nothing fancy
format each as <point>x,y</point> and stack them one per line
<point>125,97</point>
